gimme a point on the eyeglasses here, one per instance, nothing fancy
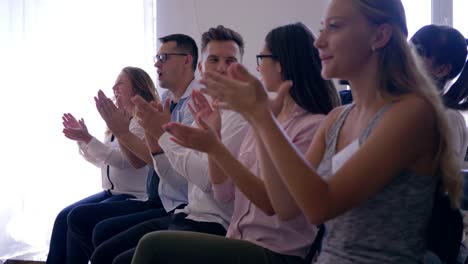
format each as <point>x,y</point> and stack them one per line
<point>260,57</point>
<point>163,57</point>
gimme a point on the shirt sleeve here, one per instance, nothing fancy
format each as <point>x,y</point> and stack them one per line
<point>110,153</point>
<point>458,133</point>
<point>83,150</point>
<point>192,164</point>
<point>224,192</point>
<point>165,171</point>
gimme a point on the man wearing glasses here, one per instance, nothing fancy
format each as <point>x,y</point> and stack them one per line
<point>176,62</point>
<point>220,47</point>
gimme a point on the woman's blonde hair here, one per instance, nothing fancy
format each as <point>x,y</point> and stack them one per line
<point>142,83</point>
<point>402,72</point>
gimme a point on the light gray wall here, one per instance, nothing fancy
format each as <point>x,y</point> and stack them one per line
<point>251,18</point>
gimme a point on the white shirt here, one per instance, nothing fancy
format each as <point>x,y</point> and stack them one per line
<point>458,132</point>
<point>122,175</point>
<point>193,165</point>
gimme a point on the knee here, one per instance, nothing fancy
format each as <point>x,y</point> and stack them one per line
<point>124,258</point>
<point>99,255</point>
<point>105,252</point>
<point>75,217</point>
<point>61,218</point>
<point>151,241</point>
<point>99,234</point>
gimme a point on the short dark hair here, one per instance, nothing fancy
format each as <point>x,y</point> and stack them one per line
<point>222,33</point>
<point>442,44</point>
<point>185,44</point>
<point>446,45</point>
<point>293,47</point>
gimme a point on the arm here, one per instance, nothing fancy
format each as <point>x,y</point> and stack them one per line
<point>223,188</point>
<point>204,139</point>
<point>249,184</point>
<point>282,201</point>
<point>134,160</point>
<point>400,139</point>
<point>192,164</point>
<point>405,138</point>
<point>135,146</point>
<point>128,133</point>
<point>107,154</point>
<point>135,150</point>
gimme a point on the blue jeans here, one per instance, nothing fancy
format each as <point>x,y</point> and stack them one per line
<point>83,219</point>
<point>58,240</point>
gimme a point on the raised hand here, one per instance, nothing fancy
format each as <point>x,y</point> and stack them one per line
<point>152,116</point>
<point>203,139</point>
<point>276,103</point>
<point>240,90</point>
<point>75,130</point>
<point>117,119</point>
<point>202,109</point>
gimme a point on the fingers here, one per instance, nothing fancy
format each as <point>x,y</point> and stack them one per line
<point>82,123</point>
<point>239,72</point>
<point>221,105</point>
<point>201,123</point>
<point>192,110</point>
<point>73,134</point>
<point>178,130</point>
<point>202,101</point>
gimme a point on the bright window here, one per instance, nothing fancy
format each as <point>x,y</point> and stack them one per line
<point>55,56</point>
<point>460,16</point>
<point>418,14</point>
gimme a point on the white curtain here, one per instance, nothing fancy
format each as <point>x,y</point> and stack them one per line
<point>54,57</point>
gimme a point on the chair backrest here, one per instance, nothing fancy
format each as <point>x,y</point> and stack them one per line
<point>445,229</point>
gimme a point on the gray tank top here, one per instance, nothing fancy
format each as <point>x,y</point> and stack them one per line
<point>391,226</point>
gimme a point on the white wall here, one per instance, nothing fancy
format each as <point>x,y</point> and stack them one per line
<point>251,18</point>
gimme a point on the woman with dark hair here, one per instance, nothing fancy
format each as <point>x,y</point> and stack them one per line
<point>266,226</point>
<point>120,179</point>
<point>443,50</point>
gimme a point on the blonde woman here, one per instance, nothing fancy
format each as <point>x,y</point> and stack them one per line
<point>372,169</point>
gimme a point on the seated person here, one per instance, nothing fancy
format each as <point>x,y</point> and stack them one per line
<point>175,63</point>
<point>220,47</point>
<point>267,225</point>
<point>120,180</point>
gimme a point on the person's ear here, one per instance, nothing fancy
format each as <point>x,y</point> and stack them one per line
<point>189,60</point>
<point>382,36</point>
<point>278,67</point>
<point>200,68</point>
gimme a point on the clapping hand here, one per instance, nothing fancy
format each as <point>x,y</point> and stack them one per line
<point>117,119</point>
<point>152,116</point>
<point>74,129</point>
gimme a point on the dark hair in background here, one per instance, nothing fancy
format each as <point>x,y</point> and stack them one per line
<point>222,33</point>
<point>293,46</point>
<point>142,83</point>
<point>185,44</point>
<point>446,45</point>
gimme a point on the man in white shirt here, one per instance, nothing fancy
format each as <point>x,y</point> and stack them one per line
<point>220,47</point>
